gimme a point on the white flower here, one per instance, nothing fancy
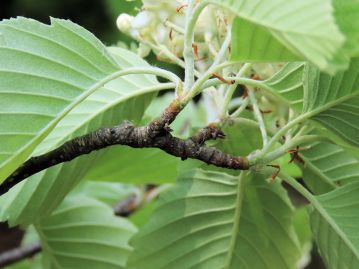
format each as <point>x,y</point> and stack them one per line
<point>142,20</point>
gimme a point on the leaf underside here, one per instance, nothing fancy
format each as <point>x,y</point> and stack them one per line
<point>333,100</point>
<point>288,30</point>
<point>194,226</point>
<point>327,166</point>
<point>83,233</point>
<point>123,98</point>
<point>334,227</point>
<point>45,70</point>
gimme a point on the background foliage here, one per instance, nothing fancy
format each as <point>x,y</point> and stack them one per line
<point>212,217</point>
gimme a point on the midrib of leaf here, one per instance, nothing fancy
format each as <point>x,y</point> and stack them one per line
<point>63,113</point>
<point>315,203</point>
<point>318,172</point>
<point>45,246</point>
<point>237,217</point>
<point>268,90</point>
<point>328,105</point>
<point>123,99</point>
<point>310,113</point>
<point>316,111</point>
<point>332,223</point>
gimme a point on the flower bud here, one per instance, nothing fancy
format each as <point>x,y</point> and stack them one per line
<point>143,50</point>
<point>124,22</point>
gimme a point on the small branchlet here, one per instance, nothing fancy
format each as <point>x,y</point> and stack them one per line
<point>210,132</point>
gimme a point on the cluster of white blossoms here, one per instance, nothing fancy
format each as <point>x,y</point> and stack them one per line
<point>159,26</point>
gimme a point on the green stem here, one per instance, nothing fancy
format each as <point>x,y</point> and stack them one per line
<point>241,121</point>
<point>300,188</point>
<point>243,106</point>
<point>302,118</point>
<point>282,132</point>
<point>230,91</point>
<point>141,70</point>
<point>320,209</point>
<point>240,80</point>
<point>202,83</point>
<point>279,152</point>
<point>258,116</point>
<point>188,55</point>
<point>223,50</point>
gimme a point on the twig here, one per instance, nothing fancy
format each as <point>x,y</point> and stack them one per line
<point>18,254</point>
<point>155,135</point>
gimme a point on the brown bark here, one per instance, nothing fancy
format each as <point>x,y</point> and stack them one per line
<point>157,134</point>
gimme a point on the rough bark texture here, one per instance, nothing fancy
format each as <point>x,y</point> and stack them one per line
<point>155,135</point>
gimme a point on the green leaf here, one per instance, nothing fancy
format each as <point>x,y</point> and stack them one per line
<point>84,233</point>
<point>302,228</point>
<point>109,193</point>
<point>342,119</point>
<point>346,14</point>
<point>287,84</point>
<point>335,221</point>
<point>330,100</point>
<point>333,100</point>
<point>327,166</point>
<point>123,98</point>
<point>242,137</point>
<point>254,43</point>
<point>129,165</point>
<point>45,71</point>
<point>200,223</point>
<point>141,216</point>
<point>305,28</point>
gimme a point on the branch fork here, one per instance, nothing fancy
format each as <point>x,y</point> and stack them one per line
<point>157,134</point>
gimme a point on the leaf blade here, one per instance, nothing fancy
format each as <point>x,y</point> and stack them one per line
<point>306,28</point>
<point>193,226</point>
<point>121,99</point>
<point>33,64</point>
<point>334,216</point>
<point>83,233</point>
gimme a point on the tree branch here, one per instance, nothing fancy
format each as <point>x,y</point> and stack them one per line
<point>18,254</point>
<point>155,135</point>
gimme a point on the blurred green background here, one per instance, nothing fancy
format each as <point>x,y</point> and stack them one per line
<point>98,16</point>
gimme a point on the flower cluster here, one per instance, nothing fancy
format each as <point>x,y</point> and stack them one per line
<point>159,26</point>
